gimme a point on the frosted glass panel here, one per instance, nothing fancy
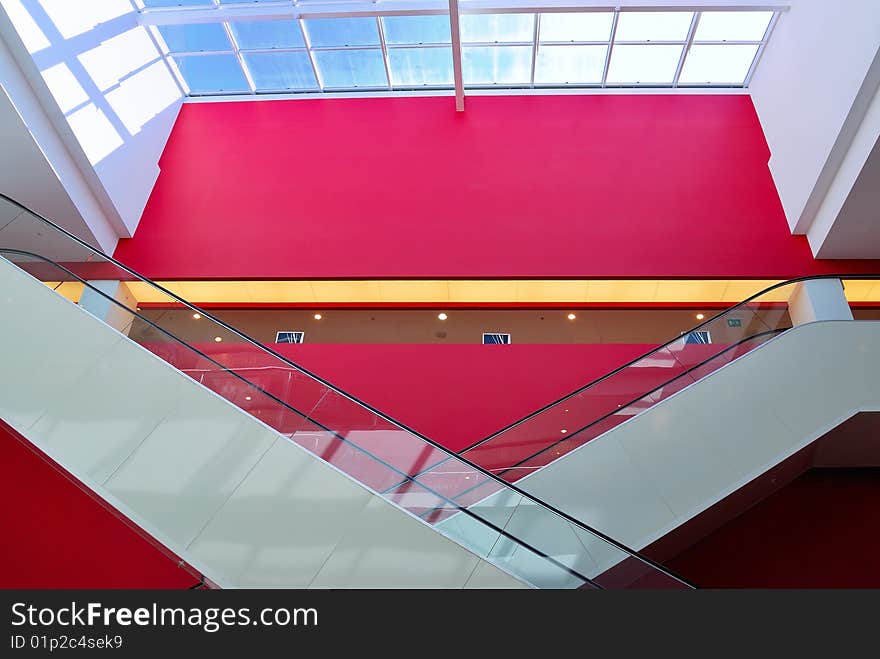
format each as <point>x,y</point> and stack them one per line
<point>718,64</point>
<point>497,65</point>
<point>351,68</point>
<point>570,64</point>
<point>644,64</point>
<point>733,25</point>
<point>281,71</point>
<point>420,66</point>
<point>267,34</point>
<point>585,26</point>
<point>416,29</point>
<point>212,73</point>
<point>489,28</point>
<point>653,26</point>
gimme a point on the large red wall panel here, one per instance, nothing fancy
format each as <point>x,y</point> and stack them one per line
<point>601,186</point>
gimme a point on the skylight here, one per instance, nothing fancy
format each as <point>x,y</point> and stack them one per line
<point>220,47</point>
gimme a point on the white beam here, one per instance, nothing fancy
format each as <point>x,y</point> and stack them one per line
<point>695,21</point>
<point>355,8</point>
<point>455,30</point>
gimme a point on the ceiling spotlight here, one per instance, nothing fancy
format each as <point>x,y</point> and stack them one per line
<point>247,397</point>
<point>442,316</point>
<point>700,316</point>
<point>218,339</point>
<point>571,316</point>
<point>197,316</point>
<point>563,431</point>
<point>318,316</point>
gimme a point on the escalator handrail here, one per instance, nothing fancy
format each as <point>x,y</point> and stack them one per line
<point>656,349</point>
<point>502,483</point>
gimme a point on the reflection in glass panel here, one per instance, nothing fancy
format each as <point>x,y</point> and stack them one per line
<point>267,34</point>
<point>733,25</point>
<point>488,65</point>
<point>497,27</point>
<point>416,29</point>
<point>272,71</point>
<point>351,68</point>
<point>653,26</point>
<point>329,32</point>
<point>244,2</point>
<point>644,64</point>
<point>584,26</point>
<point>194,37</point>
<point>420,66</point>
<point>212,73</point>
<point>570,64</point>
<point>718,64</point>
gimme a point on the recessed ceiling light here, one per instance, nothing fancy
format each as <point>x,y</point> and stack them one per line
<point>571,316</point>
<point>566,410</point>
<point>563,431</point>
<point>700,316</point>
<point>218,339</point>
<point>442,316</point>
<point>197,316</point>
<point>247,397</point>
<point>318,316</point>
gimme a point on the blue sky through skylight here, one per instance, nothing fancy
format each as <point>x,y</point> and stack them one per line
<point>515,50</point>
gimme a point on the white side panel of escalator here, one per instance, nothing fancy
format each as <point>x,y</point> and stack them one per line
<point>313,509</point>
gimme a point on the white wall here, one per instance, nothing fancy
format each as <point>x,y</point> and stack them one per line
<point>243,504</point>
<point>654,472</point>
<point>847,224</point>
<point>102,81</point>
<point>36,167</point>
<point>815,82</point>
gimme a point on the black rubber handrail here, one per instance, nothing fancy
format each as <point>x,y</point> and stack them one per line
<point>630,363</point>
<point>578,523</point>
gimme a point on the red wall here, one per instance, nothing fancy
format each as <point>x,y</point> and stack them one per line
<point>454,394</point>
<point>517,186</point>
<point>57,536</point>
<point>817,532</point>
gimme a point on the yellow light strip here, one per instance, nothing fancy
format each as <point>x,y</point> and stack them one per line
<point>440,292</point>
<point>862,290</point>
<point>72,290</point>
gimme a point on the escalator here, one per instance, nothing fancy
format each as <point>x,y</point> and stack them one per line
<point>539,439</point>
<point>673,445</point>
<point>192,471</point>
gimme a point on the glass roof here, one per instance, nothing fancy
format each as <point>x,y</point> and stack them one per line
<point>270,52</point>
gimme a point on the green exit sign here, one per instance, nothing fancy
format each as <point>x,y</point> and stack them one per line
<point>734,322</point>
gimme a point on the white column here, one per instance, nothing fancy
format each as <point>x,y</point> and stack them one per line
<point>103,308</point>
<point>818,299</point>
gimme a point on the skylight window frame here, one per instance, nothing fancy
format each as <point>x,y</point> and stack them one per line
<point>289,10</point>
